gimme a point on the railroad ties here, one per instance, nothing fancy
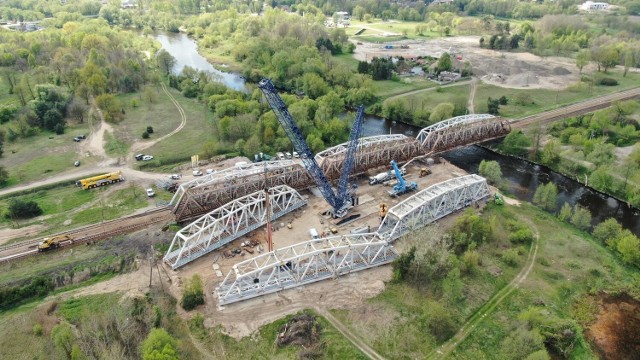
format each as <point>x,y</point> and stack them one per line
<point>229,222</point>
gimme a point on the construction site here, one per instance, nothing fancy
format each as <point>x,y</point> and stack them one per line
<point>270,232</point>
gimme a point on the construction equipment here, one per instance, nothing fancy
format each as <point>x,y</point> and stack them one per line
<point>498,199</point>
<point>100,180</point>
<point>425,171</point>
<point>341,201</point>
<point>54,242</point>
<point>402,186</point>
<point>383,177</point>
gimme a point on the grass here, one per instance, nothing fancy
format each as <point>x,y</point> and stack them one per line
<point>76,308</point>
<point>544,99</point>
<point>375,30</point>
<point>189,141</point>
<point>430,99</point>
<point>388,88</point>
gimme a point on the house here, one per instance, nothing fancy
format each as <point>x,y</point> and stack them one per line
<point>129,4</point>
<point>593,6</point>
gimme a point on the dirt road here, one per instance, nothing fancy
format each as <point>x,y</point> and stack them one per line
<point>357,342</point>
<point>472,95</point>
<point>448,347</point>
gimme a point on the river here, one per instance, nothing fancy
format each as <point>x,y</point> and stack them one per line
<point>185,51</point>
<point>521,177</point>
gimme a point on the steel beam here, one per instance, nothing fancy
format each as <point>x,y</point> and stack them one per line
<point>229,222</point>
<point>462,131</point>
<point>303,263</point>
<point>432,204</point>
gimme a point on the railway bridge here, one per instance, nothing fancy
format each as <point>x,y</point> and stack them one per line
<point>209,192</point>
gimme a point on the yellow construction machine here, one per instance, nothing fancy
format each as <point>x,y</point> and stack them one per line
<point>54,242</point>
<point>424,172</point>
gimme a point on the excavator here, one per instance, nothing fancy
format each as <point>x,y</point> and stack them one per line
<point>54,242</point>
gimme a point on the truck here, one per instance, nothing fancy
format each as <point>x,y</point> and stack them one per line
<point>384,176</point>
<point>402,186</point>
<point>100,180</point>
<point>280,156</point>
<point>54,242</point>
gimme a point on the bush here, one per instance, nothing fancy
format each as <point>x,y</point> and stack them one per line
<point>150,129</point>
<point>503,100</point>
<point>37,330</point>
<point>522,236</point>
<point>159,345</point>
<point>193,294</point>
<point>19,209</point>
<point>58,129</point>
<point>608,81</point>
<point>510,257</point>
<point>145,135</point>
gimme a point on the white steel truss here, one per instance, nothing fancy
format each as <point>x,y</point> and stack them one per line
<point>431,204</point>
<point>303,263</point>
<point>363,143</point>
<point>227,223</point>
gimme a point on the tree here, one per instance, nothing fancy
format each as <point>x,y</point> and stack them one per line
<point>565,212</point>
<point>629,248</point>
<point>23,209</point>
<point>607,230</point>
<point>601,179</point>
<point>77,110</point>
<point>165,61</point>
<point>110,106</point>
<point>582,59</point>
<point>493,106</point>
<point>441,112</point>
<point>605,56</point>
<point>62,336</point>
<point>546,196</point>
<point>516,143</point>
<point>193,294</point>
<point>551,152</point>
<point>159,345</point>
<point>150,129</point>
<point>491,170</point>
<point>581,217</point>
<point>444,63</point>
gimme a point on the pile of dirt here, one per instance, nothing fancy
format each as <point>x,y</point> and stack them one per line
<point>558,70</point>
<point>615,330</point>
<point>301,330</point>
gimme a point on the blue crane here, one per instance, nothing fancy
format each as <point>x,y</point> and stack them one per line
<point>340,202</point>
<point>402,186</point>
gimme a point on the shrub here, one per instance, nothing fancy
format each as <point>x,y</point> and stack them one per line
<point>503,100</point>
<point>59,129</point>
<point>145,135</point>
<point>581,217</point>
<point>37,330</point>
<point>159,345</point>
<point>608,81</point>
<point>510,257</point>
<point>193,294</point>
<point>150,129</point>
<point>522,236</point>
<point>19,209</point>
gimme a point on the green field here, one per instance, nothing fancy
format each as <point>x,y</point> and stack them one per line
<point>544,99</point>
<point>456,94</point>
<point>569,265</point>
<point>380,31</point>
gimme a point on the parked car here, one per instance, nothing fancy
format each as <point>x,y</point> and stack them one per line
<point>139,157</point>
<point>77,139</point>
<point>174,176</point>
<point>197,173</point>
<point>82,137</point>
<point>147,158</point>
<point>77,163</point>
<point>150,193</point>
<point>211,171</point>
<point>296,155</point>
<point>287,155</point>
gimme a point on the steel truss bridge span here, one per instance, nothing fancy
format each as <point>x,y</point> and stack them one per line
<point>199,196</point>
<point>462,131</point>
<point>303,263</point>
<point>229,222</point>
<point>431,204</point>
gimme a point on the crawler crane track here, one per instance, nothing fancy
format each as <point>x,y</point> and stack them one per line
<point>91,233</point>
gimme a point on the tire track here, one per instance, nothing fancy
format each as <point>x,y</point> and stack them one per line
<point>357,342</point>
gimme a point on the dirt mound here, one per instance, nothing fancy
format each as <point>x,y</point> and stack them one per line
<point>300,330</point>
<point>558,70</point>
<point>615,331</point>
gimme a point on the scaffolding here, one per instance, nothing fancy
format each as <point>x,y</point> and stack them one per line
<point>303,263</point>
<point>229,222</point>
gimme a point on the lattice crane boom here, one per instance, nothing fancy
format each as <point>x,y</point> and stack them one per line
<point>299,144</point>
<point>349,160</point>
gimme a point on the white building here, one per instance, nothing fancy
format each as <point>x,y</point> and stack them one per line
<point>593,6</point>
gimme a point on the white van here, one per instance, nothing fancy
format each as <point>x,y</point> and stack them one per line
<point>280,156</point>
<point>314,233</point>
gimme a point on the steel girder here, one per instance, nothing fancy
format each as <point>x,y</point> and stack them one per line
<point>462,131</point>
<point>432,204</point>
<point>303,263</point>
<point>373,151</point>
<point>199,196</point>
<point>229,222</point>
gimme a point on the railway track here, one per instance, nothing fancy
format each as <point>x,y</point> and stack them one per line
<point>90,233</point>
<point>575,109</point>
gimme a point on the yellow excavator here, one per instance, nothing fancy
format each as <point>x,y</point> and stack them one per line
<point>54,242</point>
<point>424,172</point>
